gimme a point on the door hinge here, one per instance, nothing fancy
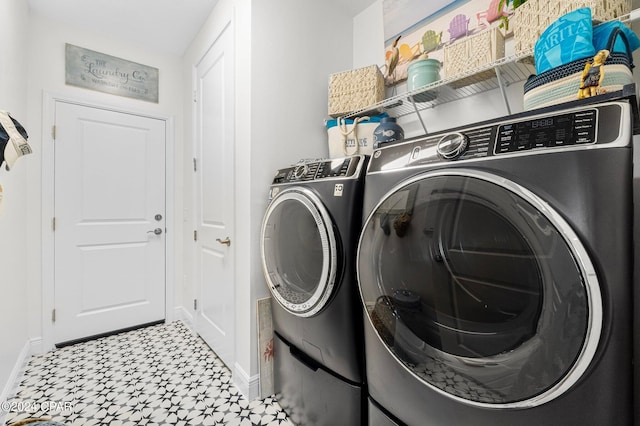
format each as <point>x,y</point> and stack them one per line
<point>195,235</point>
<point>195,304</point>
<point>195,165</point>
<point>53,132</point>
<point>53,315</point>
<point>53,224</point>
<point>195,96</point>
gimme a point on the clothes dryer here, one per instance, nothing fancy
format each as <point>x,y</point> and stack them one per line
<point>495,268</point>
<point>308,245</point>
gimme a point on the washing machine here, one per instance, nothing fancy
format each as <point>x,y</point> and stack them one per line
<point>308,244</point>
<point>495,266</point>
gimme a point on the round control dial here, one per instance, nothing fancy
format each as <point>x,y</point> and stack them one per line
<point>452,145</point>
<point>300,171</point>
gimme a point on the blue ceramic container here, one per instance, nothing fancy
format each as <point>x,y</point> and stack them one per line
<point>387,131</point>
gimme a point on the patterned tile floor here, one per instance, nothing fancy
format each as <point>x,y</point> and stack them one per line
<point>159,375</point>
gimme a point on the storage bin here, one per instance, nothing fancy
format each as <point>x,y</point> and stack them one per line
<point>310,393</point>
<point>342,135</point>
<point>473,52</point>
<point>533,17</point>
<point>354,90</point>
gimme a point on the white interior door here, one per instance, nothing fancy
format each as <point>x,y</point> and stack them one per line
<point>109,221</point>
<point>214,197</point>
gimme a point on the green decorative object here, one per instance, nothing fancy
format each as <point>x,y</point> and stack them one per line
<point>423,72</point>
<point>505,3</point>
<point>431,40</point>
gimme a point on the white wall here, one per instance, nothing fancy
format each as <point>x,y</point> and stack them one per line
<point>368,37</point>
<point>14,303</point>
<point>46,73</point>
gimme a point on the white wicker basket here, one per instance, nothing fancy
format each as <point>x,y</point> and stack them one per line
<point>355,90</point>
<point>463,57</point>
<point>533,17</point>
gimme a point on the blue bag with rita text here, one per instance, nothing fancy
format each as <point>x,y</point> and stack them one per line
<point>567,39</point>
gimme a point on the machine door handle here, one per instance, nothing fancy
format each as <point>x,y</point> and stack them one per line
<point>226,241</point>
<point>156,231</point>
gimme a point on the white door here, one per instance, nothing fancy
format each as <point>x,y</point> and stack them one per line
<point>214,197</point>
<point>109,221</point>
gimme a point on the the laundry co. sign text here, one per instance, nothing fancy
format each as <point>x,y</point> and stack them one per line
<point>105,73</point>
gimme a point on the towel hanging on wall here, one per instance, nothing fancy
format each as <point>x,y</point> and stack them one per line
<point>13,140</point>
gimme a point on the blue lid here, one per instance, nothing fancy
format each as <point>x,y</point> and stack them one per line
<point>372,119</point>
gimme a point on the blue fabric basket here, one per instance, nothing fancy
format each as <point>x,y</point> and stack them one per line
<point>561,84</point>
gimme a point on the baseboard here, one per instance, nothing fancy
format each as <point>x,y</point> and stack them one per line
<point>18,368</point>
<point>248,386</point>
<point>182,314</point>
<point>36,346</point>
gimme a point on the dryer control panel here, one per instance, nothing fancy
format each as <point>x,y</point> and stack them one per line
<point>523,134</point>
<point>336,168</point>
<point>552,131</point>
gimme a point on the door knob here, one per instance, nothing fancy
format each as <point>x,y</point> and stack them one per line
<point>226,241</point>
<point>156,231</point>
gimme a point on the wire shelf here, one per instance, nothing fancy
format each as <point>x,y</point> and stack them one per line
<point>498,74</point>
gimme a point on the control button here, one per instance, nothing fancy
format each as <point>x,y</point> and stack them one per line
<point>540,139</point>
<point>280,177</point>
<point>583,140</point>
<point>504,147</point>
<point>415,153</point>
<point>300,171</point>
<point>561,138</point>
<point>584,130</point>
<point>452,146</point>
<point>522,144</point>
<point>584,135</point>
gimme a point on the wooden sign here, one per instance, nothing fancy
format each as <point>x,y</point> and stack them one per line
<point>108,74</point>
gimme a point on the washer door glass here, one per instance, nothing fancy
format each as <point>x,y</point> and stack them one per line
<point>479,289</point>
<point>299,253</point>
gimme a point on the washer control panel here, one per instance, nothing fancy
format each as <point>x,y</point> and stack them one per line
<point>552,131</point>
<point>338,168</point>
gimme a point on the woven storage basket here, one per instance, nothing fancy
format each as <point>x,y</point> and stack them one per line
<point>355,90</point>
<point>533,17</point>
<point>462,57</point>
<point>548,89</point>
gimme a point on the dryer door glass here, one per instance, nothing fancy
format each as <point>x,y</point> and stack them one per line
<point>480,289</point>
<point>299,253</point>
